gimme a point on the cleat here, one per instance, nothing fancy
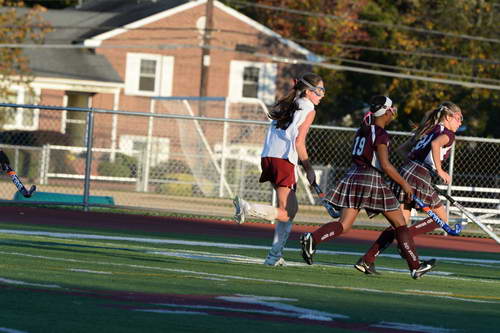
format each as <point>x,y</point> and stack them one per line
<point>239,215</point>
<point>274,261</point>
<point>365,267</point>
<point>425,266</point>
<point>308,248</point>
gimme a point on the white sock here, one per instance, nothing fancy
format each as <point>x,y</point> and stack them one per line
<point>281,233</point>
<point>266,212</point>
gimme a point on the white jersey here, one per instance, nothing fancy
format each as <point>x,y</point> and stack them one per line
<point>281,143</point>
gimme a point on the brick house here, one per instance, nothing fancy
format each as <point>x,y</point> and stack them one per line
<point>113,54</point>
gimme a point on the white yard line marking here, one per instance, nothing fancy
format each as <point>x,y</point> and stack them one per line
<point>413,327</point>
<point>220,245</point>
<point>22,283</point>
<point>87,271</point>
<point>243,278</point>
<point>10,330</point>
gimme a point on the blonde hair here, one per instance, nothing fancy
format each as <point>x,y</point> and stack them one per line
<point>434,117</point>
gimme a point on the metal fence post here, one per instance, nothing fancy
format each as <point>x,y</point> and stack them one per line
<point>88,161</point>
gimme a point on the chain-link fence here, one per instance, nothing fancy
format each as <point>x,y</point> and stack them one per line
<point>173,159</point>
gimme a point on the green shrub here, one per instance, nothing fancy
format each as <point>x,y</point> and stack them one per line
<point>123,166</point>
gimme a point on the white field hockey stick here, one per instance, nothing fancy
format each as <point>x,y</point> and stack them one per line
<point>467,213</point>
<point>15,179</point>
<point>328,205</point>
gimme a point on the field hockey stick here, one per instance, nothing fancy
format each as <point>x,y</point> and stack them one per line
<point>328,205</point>
<point>454,232</point>
<point>15,179</point>
<point>467,213</point>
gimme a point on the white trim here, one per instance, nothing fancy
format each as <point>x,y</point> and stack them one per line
<point>163,77</point>
<point>262,28</point>
<point>267,79</point>
<point>97,40</point>
<point>77,85</point>
<point>21,98</point>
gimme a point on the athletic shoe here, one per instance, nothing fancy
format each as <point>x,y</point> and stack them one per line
<point>365,267</point>
<point>274,261</point>
<point>308,247</point>
<point>239,205</point>
<point>425,266</point>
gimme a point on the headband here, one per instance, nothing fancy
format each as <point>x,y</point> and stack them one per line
<point>383,109</point>
<point>380,112</point>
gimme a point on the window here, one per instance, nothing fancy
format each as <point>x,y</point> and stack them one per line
<point>19,118</point>
<point>250,82</point>
<point>149,74</point>
<point>135,145</point>
<point>253,79</point>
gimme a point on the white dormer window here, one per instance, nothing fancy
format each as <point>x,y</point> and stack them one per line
<point>18,118</point>
<point>253,79</point>
<point>149,74</point>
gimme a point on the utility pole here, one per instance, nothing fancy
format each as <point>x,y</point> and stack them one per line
<point>205,51</point>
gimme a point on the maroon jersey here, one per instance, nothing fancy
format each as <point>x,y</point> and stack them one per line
<point>365,142</point>
<point>422,150</point>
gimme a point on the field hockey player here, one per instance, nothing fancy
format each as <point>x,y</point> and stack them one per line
<point>284,148</point>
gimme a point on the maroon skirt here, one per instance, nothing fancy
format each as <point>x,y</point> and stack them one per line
<point>363,187</point>
<point>420,180</point>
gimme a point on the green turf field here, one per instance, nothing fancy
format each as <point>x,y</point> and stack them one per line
<point>77,280</point>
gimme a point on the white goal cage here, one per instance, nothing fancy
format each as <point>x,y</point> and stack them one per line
<point>222,153</point>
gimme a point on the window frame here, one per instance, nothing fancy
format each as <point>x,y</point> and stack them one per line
<point>267,80</point>
<point>21,99</point>
<point>163,77</point>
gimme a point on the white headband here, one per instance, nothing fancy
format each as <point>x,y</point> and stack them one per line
<point>383,109</point>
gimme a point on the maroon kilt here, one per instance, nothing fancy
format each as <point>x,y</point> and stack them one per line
<point>363,187</point>
<point>420,180</point>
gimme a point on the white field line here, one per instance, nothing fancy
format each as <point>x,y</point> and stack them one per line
<point>219,245</point>
<point>265,281</point>
<point>78,270</point>
<point>22,283</point>
<point>10,330</point>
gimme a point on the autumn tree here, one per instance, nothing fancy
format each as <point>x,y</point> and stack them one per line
<point>18,26</point>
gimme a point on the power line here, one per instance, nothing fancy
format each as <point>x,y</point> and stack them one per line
<point>367,22</point>
<point>302,41</point>
<point>276,58</point>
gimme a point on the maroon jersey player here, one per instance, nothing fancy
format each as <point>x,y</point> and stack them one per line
<point>364,187</point>
<point>429,147</point>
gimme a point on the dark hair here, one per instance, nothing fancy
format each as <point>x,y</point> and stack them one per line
<point>285,108</point>
<point>433,117</point>
<point>376,103</point>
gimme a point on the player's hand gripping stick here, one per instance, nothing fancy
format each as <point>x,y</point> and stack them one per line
<point>328,205</point>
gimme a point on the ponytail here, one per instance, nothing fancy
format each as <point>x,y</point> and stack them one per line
<point>434,117</point>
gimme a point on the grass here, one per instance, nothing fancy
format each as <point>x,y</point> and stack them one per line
<point>174,282</point>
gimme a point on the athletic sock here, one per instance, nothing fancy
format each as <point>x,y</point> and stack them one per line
<point>383,242</point>
<point>266,212</point>
<point>327,231</point>
<point>387,237</point>
<point>423,226</point>
<point>405,243</point>
<point>281,233</point>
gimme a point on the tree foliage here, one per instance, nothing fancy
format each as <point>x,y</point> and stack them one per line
<point>18,26</point>
<point>408,28</point>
